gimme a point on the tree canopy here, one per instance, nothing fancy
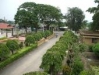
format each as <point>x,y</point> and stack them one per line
<point>26,15</point>
<point>74,18</point>
<point>29,14</point>
<point>4,51</point>
<point>95,18</point>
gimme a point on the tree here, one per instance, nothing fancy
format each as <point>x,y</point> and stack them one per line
<point>26,15</point>
<point>29,40</point>
<point>4,51</point>
<point>75,18</point>
<point>12,45</point>
<point>48,14</point>
<point>51,62</point>
<point>95,11</point>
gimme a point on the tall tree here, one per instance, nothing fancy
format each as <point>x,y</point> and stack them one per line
<point>26,15</point>
<point>48,14</point>
<point>95,10</point>
<point>75,18</point>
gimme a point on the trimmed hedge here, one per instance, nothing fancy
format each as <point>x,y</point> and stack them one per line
<point>17,55</point>
<point>36,73</point>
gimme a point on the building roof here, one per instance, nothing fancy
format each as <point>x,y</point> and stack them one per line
<point>5,26</point>
<point>89,33</point>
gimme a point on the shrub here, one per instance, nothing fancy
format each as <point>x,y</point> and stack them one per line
<point>66,70</point>
<point>36,73</point>
<point>95,49</point>
<point>12,45</point>
<point>21,44</point>
<point>83,47</point>
<point>4,51</point>
<point>29,40</point>
<point>77,66</point>
<point>85,72</point>
<point>17,55</point>
<point>90,48</point>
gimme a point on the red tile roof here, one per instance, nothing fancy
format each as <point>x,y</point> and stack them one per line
<point>5,26</point>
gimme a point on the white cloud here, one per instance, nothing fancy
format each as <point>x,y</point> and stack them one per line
<point>8,8</point>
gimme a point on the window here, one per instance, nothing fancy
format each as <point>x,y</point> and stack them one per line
<point>94,40</point>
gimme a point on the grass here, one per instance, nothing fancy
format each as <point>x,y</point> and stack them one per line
<point>95,69</point>
<point>3,38</point>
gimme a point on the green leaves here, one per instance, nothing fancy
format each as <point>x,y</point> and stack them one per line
<point>12,45</point>
<point>52,60</point>
<point>4,51</point>
<point>95,49</point>
<point>36,73</point>
<point>95,10</point>
<point>75,18</point>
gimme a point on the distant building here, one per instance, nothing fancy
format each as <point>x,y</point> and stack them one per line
<point>5,27</point>
<point>89,37</point>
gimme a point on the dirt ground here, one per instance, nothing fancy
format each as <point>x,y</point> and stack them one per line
<point>89,58</point>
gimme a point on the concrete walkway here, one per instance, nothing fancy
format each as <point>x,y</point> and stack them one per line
<point>31,61</point>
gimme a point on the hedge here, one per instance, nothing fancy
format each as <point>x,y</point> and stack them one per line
<point>17,55</point>
<point>36,73</point>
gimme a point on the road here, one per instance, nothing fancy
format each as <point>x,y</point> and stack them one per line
<point>31,61</point>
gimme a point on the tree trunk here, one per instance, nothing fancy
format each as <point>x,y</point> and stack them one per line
<point>6,33</point>
<point>26,30</point>
<point>12,51</point>
<point>48,27</point>
<point>12,31</point>
<point>51,70</point>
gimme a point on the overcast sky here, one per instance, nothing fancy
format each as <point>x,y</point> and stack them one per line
<point>8,8</point>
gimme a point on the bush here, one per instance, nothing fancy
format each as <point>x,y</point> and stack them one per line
<point>12,45</point>
<point>17,55</point>
<point>36,73</point>
<point>95,49</point>
<point>4,51</point>
<point>66,70</point>
<point>83,47</point>
<point>21,44</point>
<point>29,40</point>
<point>85,72</point>
<point>77,66</point>
<point>90,48</point>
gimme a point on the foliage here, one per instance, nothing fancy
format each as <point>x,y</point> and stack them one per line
<point>83,47</point>
<point>75,18</point>
<point>29,40</point>
<point>12,45</point>
<point>21,44</point>
<point>90,48</point>
<point>36,73</point>
<point>95,70</point>
<point>30,14</point>
<point>95,49</point>
<point>77,66</point>
<point>87,72</point>
<point>4,51</point>
<point>17,55</point>
<point>66,70</point>
<point>52,60</point>
<point>95,23</point>
<point>48,14</point>
<point>26,15</point>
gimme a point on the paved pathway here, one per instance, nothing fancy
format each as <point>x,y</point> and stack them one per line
<point>31,61</point>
